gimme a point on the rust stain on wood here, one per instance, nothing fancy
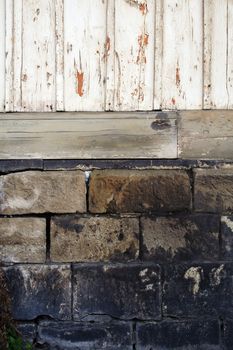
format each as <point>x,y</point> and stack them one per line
<point>143,8</point>
<point>177,76</point>
<point>79,77</point>
<point>143,41</point>
<point>107,47</point>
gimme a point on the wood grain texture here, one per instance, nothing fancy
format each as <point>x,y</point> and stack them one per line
<point>30,66</point>
<point>206,134</point>
<point>9,95</point>
<point>59,20</point>
<point>178,60</point>
<point>2,55</point>
<point>84,55</point>
<point>116,55</point>
<point>134,54</point>
<point>83,136</point>
<point>218,58</point>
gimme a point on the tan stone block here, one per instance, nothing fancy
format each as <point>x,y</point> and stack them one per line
<point>41,192</point>
<point>94,239</point>
<point>213,190</point>
<point>139,191</point>
<point>22,240</point>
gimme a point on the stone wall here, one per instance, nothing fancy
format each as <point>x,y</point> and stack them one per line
<point>119,255</point>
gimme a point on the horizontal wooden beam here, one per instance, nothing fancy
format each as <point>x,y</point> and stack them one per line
<point>88,135</point>
<point>114,135</point>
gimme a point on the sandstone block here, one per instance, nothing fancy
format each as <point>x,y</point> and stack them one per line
<point>213,190</point>
<point>227,237</point>
<point>43,191</point>
<point>85,336</point>
<point>22,240</point>
<point>170,335</point>
<point>124,291</point>
<point>139,191</point>
<point>198,290</point>
<point>186,238</point>
<point>94,239</point>
<point>40,290</point>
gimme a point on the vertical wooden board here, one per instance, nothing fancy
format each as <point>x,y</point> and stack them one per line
<point>230,55</point>
<point>159,11</point>
<point>59,18</point>
<point>30,55</point>
<point>84,55</point>
<point>110,56</point>
<point>216,89</point>
<point>38,56</point>
<point>2,55</point>
<point>17,54</point>
<point>181,67</point>
<point>134,54</point>
<point>9,56</point>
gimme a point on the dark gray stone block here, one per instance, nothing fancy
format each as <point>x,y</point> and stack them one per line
<point>124,291</point>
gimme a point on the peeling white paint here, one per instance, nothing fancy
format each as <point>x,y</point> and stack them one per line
<point>228,222</point>
<point>195,274</point>
<point>215,275</point>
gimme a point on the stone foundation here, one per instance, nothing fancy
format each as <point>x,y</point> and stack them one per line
<point>119,255</point>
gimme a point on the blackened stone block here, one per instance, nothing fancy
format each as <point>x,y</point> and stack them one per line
<point>228,335</point>
<point>178,335</point>
<point>186,238</point>
<point>85,336</point>
<point>40,290</point>
<point>123,291</point>
<point>9,165</point>
<point>27,331</point>
<point>198,290</point>
<point>227,237</point>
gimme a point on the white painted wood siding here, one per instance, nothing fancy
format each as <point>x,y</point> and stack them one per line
<point>119,55</point>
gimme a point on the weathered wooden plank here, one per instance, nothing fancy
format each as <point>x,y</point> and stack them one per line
<point>88,115</point>
<point>59,19</point>
<point>2,55</point>
<point>134,54</point>
<point>179,61</point>
<point>38,58</point>
<point>84,56</point>
<point>149,136</point>
<point>159,13</point>
<point>30,66</point>
<point>206,134</point>
<point>218,48</point>
<point>9,96</point>
<point>110,56</point>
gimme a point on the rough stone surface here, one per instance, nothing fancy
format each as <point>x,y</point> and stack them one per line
<point>40,290</point>
<point>94,239</point>
<point>85,336</point>
<point>123,291</point>
<point>40,192</point>
<point>22,240</point>
<point>27,331</point>
<point>228,331</point>
<point>186,238</point>
<point>139,191</point>
<point>213,190</point>
<point>8,165</point>
<point>198,290</point>
<point>178,335</point>
<point>227,237</point>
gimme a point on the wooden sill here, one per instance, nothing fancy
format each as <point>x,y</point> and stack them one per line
<point>115,135</point>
